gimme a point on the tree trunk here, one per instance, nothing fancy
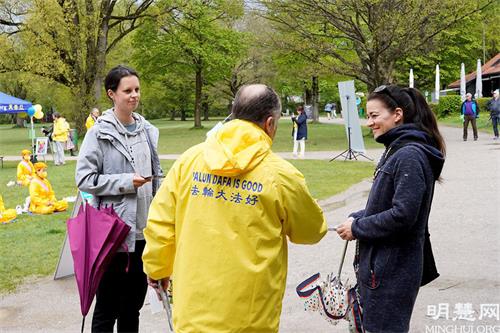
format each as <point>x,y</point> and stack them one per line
<point>204,106</point>
<point>197,101</point>
<point>86,101</point>
<point>102,45</point>
<point>307,94</point>
<point>315,98</point>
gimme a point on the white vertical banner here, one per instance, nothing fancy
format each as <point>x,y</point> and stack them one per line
<point>412,79</point>
<point>350,115</point>
<point>463,87</point>
<point>437,86</point>
<point>479,80</point>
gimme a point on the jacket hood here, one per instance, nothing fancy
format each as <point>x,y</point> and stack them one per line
<point>412,134</point>
<point>109,121</point>
<point>238,147</point>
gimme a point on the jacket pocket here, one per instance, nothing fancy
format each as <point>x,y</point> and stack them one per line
<point>373,268</point>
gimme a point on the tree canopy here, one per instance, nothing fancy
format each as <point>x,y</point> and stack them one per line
<point>193,55</point>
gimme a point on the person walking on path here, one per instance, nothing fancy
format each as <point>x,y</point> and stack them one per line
<point>469,111</point>
<point>60,136</point>
<point>220,222</point>
<point>328,110</point>
<point>394,255</point>
<point>494,107</point>
<point>116,163</point>
<point>299,132</point>
<point>334,109</point>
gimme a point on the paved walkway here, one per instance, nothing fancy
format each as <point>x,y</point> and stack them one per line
<point>465,229</point>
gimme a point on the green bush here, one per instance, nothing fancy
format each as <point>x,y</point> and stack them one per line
<point>448,105</point>
<point>482,104</point>
<point>433,107</point>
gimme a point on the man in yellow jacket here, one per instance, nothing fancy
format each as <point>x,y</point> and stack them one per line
<point>94,114</point>
<point>25,169</point>
<point>59,137</point>
<point>220,221</point>
<point>43,199</point>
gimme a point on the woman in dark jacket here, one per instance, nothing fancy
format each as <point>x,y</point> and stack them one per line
<point>392,231</point>
<point>299,132</point>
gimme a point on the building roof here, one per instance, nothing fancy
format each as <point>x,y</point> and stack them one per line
<point>491,67</point>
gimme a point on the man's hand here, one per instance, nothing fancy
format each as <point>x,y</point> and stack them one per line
<point>155,285</point>
<point>344,230</point>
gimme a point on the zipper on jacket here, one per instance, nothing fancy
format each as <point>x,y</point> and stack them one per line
<point>373,278</point>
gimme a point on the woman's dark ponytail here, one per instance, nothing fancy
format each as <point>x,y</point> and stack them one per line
<point>425,118</point>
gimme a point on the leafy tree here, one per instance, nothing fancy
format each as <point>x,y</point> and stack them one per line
<point>459,44</point>
<point>196,39</point>
<point>67,41</point>
<point>377,32</point>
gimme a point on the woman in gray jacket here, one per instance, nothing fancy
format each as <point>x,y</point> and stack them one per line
<point>116,164</point>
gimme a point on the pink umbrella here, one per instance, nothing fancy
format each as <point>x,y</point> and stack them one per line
<point>94,237</point>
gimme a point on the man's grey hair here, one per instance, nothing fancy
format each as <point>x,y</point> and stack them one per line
<point>256,103</point>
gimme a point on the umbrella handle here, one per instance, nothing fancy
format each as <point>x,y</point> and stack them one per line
<point>342,260</point>
<point>166,304</point>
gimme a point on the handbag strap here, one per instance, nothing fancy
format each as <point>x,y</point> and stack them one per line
<point>306,293</point>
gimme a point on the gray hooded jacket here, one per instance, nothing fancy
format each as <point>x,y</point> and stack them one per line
<point>109,157</point>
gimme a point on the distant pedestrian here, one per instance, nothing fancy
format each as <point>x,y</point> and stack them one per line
<point>60,136</point>
<point>494,107</point>
<point>469,111</point>
<point>334,109</point>
<point>394,254</point>
<point>91,119</point>
<point>299,132</point>
<point>328,110</point>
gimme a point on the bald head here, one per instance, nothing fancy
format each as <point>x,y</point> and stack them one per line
<point>251,91</point>
<point>256,103</point>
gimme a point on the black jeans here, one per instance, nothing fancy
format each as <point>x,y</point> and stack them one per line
<point>121,294</point>
<point>495,120</point>
<point>472,119</point>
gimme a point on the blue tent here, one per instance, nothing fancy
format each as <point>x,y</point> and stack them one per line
<point>9,104</point>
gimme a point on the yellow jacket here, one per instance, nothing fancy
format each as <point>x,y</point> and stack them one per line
<point>61,130</point>
<point>89,122</point>
<point>25,169</point>
<point>41,193</point>
<point>219,227</point>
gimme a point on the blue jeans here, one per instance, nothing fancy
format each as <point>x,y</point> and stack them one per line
<point>495,120</point>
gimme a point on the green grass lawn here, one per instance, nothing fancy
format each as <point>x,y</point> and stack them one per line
<point>177,136</point>
<point>30,246</point>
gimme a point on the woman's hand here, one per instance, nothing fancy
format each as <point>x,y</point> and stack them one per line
<point>344,230</point>
<point>139,181</point>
